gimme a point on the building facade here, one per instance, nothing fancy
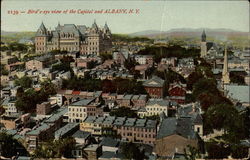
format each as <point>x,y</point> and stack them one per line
<point>155,87</point>
<point>71,38</point>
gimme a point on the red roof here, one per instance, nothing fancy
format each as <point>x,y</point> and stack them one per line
<point>76,92</point>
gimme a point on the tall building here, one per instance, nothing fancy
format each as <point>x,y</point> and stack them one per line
<point>69,37</point>
<point>225,72</point>
<point>203,44</point>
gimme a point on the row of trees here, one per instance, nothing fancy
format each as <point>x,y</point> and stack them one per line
<point>117,85</point>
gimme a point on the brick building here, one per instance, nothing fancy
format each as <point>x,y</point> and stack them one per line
<point>155,87</point>
<point>130,129</point>
<point>177,92</point>
<point>69,37</point>
<point>39,63</point>
<point>43,108</point>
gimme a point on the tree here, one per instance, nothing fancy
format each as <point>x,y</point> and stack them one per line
<point>217,151</point>
<point>24,82</point>
<point>224,116</point>
<point>123,112</point>
<point>192,153</point>
<point>2,110</point>
<point>48,88</point>
<point>9,146</point>
<point>55,149</point>
<point>132,151</point>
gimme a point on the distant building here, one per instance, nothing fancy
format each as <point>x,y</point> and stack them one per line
<point>203,44</point>
<point>155,87</point>
<point>69,37</point>
<point>144,59</point>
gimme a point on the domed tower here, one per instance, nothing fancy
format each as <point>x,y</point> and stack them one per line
<point>41,39</point>
<point>203,44</point>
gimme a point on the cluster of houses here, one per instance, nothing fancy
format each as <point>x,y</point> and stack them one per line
<point>165,123</point>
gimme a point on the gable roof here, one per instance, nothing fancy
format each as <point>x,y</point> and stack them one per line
<point>181,126</point>
<point>154,82</point>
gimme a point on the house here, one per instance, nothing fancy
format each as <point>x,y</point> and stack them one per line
<point>154,107</point>
<point>142,69</point>
<point>174,135</point>
<point>66,130</point>
<point>130,129</point>
<point>171,62</point>
<point>155,87</point>
<point>77,111</point>
<point>93,151</point>
<point>40,62</point>
<point>10,106</point>
<point>144,59</point>
<point>177,92</point>
<point>82,137</point>
<point>109,144</point>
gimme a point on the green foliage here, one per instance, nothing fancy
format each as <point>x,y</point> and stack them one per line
<point>239,151</point>
<point>132,151</point>
<point>224,116</point>
<point>16,36</point>
<point>26,101</point>
<point>123,112</point>
<point>217,151</point>
<point>170,51</point>
<point>8,145</point>
<point>192,153</point>
<point>61,67</point>
<point>3,70</point>
<point>55,149</point>
<point>2,110</point>
<point>47,87</point>
<point>237,78</point>
<point>14,46</point>
<point>24,82</point>
<point>130,64</point>
<point>83,84</point>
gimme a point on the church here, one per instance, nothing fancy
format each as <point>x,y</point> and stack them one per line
<point>74,38</point>
<point>209,48</point>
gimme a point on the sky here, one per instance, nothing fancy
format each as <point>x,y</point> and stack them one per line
<point>152,15</point>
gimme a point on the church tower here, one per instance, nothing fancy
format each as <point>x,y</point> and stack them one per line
<point>203,44</point>
<point>225,72</point>
<point>41,39</point>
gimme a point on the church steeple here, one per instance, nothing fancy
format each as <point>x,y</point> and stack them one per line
<point>225,73</point>
<point>203,36</point>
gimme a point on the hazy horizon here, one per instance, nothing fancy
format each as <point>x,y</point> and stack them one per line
<point>153,15</point>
